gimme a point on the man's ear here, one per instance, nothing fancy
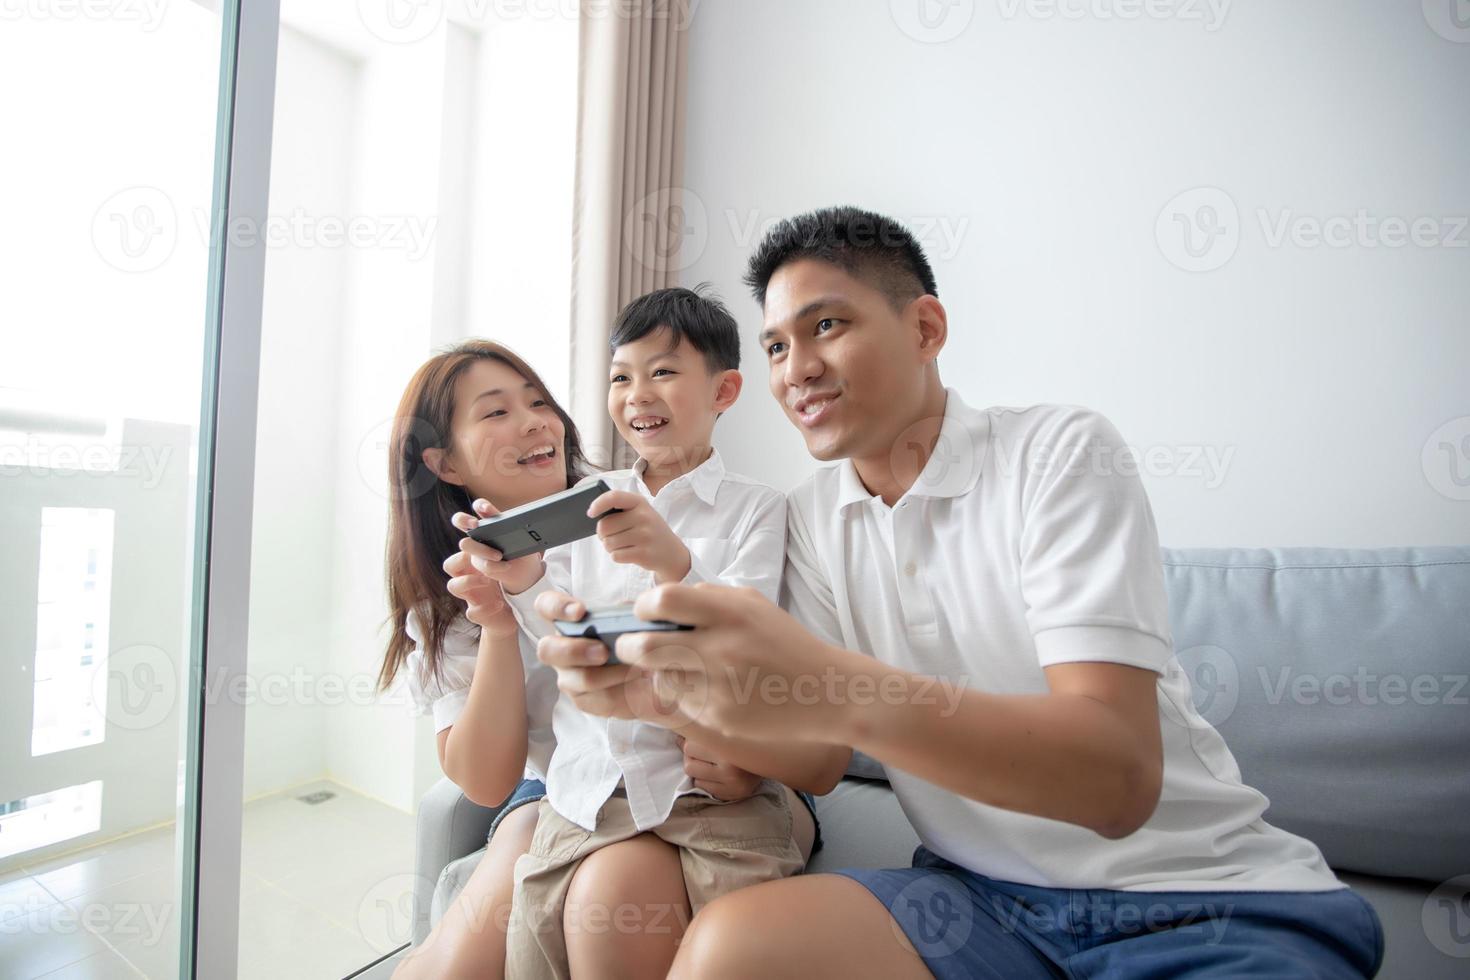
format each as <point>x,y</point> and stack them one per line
<point>728,390</point>
<point>439,463</point>
<point>933,326</point>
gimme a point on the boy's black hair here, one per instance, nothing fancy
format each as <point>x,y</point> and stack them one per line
<point>865,245</point>
<point>688,313</point>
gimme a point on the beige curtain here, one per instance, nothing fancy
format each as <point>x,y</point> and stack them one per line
<point>628,218</point>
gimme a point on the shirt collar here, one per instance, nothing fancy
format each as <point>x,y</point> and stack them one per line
<point>953,467</point>
<point>704,479</point>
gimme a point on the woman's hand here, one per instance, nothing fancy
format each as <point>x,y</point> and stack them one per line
<point>517,575</point>
<point>722,780</point>
<point>639,536</point>
<point>485,604</point>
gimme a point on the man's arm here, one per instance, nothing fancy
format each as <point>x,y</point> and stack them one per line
<point>1088,752</point>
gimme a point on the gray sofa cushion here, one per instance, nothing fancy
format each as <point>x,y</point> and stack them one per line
<point>1339,680</point>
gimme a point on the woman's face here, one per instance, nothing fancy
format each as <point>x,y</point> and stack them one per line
<point>506,443</point>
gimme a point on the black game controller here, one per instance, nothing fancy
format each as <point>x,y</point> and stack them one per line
<point>607,625</point>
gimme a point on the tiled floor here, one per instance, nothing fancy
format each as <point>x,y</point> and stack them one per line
<point>325,890</point>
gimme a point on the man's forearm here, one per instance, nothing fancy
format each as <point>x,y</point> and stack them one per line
<point>1064,756</point>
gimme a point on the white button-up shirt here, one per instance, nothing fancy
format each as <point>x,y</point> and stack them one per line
<point>735,530</point>
<point>1026,541</point>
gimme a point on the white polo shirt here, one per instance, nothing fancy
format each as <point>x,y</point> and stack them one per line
<point>1026,541</point>
<point>735,529</point>
<point>444,696</point>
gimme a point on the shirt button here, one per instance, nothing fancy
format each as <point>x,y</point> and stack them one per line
<point>910,569</point>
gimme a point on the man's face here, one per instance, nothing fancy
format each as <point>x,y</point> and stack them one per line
<point>845,367</point>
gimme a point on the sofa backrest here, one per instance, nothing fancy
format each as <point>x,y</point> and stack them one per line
<point>1340,680</point>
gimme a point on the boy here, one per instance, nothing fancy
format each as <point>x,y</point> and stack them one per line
<point>682,518</point>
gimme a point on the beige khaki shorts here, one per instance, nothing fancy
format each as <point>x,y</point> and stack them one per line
<point>722,847</point>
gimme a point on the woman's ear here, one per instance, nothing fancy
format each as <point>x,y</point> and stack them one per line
<point>728,389</point>
<point>933,326</point>
<point>439,463</point>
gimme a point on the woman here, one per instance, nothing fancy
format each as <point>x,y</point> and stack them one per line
<point>477,429</point>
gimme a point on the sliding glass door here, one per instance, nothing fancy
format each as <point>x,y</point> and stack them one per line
<point>127,393</point>
<point>213,287</point>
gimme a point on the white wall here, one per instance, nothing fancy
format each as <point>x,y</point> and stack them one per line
<point>1039,152</point>
<point>454,145</point>
<point>291,583</point>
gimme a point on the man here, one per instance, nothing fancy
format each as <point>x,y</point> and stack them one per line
<point>1077,816</point>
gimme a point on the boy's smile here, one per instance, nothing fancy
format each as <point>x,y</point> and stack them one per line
<point>664,400</point>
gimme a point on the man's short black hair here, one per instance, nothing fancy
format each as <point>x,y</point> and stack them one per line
<point>866,246</point>
<point>690,313</point>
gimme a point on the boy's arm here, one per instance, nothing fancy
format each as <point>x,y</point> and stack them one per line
<point>759,552</point>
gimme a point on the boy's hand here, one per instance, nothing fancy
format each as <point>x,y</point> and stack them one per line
<point>516,576</point>
<point>719,779</point>
<point>639,536</point>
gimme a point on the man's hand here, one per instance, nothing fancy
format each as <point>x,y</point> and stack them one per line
<point>603,689</point>
<point>582,670</point>
<point>748,669</point>
<point>639,536</point>
<point>517,575</point>
<point>722,780</point>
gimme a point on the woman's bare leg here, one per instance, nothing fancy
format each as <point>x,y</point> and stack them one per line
<point>469,941</point>
<point>626,910</point>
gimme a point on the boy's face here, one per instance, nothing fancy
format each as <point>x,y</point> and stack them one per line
<point>664,400</point>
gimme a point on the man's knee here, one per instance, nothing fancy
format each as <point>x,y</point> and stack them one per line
<point>721,939</point>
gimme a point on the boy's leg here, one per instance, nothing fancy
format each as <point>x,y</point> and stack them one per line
<point>626,910</point>
<point>727,846</point>
<point>470,940</point>
<point>535,946</point>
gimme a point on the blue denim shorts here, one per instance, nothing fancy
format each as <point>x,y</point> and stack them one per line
<point>967,925</point>
<point>534,790</point>
<point>528,791</point>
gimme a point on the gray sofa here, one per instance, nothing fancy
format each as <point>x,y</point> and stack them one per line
<point>1338,679</point>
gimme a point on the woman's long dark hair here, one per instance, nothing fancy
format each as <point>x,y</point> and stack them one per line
<point>420,535</point>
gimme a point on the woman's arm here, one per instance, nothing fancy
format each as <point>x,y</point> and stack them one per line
<point>484,751</point>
